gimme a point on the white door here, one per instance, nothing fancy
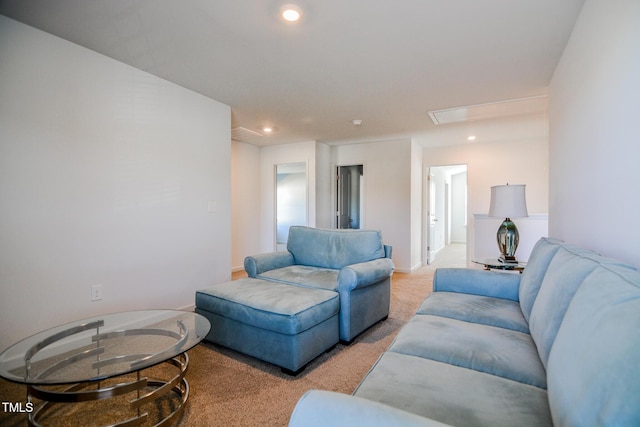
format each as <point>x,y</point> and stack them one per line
<point>349,196</point>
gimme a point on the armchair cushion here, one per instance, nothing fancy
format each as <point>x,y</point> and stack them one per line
<point>303,275</point>
<point>272,306</point>
<point>334,249</point>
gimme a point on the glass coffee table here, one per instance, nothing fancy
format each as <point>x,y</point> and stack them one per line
<point>90,356</point>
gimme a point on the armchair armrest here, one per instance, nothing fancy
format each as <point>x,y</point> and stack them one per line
<point>388,249</point>
<point>364,274</point>
<point>477,282</point>
<point>258,264</point>
<point>318,408</point>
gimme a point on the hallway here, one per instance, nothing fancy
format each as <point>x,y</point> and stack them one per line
<point>453,255</point>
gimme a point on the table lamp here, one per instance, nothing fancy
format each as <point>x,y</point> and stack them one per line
<point>508,201</point>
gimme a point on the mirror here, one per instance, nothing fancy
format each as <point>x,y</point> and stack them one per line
<point>291,200</point>
<point>349,192</point>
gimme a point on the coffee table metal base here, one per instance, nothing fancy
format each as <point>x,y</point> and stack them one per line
<point>78,393</point>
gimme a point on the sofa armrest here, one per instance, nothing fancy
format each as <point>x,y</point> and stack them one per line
<point>364,274</point>
<point>477,282</point>
<point>258,264</point>
<point>318,408</point>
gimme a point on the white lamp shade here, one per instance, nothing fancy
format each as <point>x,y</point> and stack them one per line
<point>508,201</point>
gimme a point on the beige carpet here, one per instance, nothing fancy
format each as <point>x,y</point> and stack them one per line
<point>230,389</point>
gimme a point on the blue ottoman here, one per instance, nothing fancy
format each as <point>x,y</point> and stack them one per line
<point>282,324</point>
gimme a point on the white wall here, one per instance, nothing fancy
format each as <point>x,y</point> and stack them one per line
<point>416,205</point>
<point>387,191</point>
<point>245,196</point>
<point>109,176</point>
<point>324,184</point>
<point>594,149</point>
<point>253,194</point>
<point>517,155</point>
<point>388,205</point>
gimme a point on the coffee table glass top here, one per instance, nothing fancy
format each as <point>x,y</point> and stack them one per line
<point>102,347</point>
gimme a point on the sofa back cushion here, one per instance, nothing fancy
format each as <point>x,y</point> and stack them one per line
<point>566,272</point>
<point>593,373</point>
<point>334,248</point>
<point>532,276</point>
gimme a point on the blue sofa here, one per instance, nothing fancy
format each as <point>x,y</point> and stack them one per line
<point>354,263</point>
<point>558,345</point>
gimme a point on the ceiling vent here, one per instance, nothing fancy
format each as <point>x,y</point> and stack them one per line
<point>491,110</point>
<point>241,134</point>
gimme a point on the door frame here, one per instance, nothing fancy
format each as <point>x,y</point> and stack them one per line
<point>428,252</point>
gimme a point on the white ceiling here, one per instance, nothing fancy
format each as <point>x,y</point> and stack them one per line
<point>386,62</point>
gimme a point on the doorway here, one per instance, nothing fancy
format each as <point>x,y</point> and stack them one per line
<point>291,200</point>
<point>350,180</point>
<point>445,230</point>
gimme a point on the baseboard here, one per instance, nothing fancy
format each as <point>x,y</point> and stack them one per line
<point>190,307</point>
<point>404,270</point>
<point>416,267</point>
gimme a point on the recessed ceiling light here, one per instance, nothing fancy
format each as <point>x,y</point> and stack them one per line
<point>471,138</point>
<point>267,129</point>
<point>356,122</point>
<point>291,12</point>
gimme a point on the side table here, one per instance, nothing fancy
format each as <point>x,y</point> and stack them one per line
<point>496,264</point>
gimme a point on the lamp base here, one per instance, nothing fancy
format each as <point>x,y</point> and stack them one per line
<point>508,238</point>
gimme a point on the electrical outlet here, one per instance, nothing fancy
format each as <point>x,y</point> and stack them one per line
<point>96,292</point>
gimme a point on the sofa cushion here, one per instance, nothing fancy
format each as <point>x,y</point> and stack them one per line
<point>302,275</point>
<point>320,408</point>
<point>532,276</point>
<point>453,395</point>
<point>334,248</point>
<point>566,272</point>
<point>497,351</point>
<point>475,308</point>
<point>273,306</point>
<point>594,365</point>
